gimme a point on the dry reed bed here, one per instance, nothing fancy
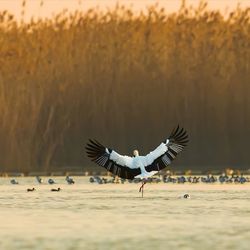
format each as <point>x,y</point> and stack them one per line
<point>125,79</point>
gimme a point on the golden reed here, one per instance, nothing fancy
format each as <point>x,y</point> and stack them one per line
<point>109,74</point>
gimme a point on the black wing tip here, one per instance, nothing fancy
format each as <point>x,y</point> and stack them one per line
<point>179,135</point>
<point>94,149</point>
<point>94,143</point>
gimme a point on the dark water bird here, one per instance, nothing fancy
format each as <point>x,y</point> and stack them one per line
<point>91,179</point>
<point>98,179</point>
<point>186,196</point>
<point>55,189</point>
<point>51,181</point>
<point>142,167</point>
<point>69,180</point>
<point>30,189</point>
<point>242,179</point>
<point>39,179</point>
<point>13,181</point>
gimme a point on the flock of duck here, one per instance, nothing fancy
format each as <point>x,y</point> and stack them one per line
<point>68,179</point>
<point>164,179</point>
<point>179,179</point>
<point>52,190</point>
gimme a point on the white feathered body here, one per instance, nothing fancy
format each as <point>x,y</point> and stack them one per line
<point>140,161</point>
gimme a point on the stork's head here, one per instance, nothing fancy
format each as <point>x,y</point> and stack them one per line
<point>135,153</point>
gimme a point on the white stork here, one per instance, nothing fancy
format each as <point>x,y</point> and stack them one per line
<point>138,166</point>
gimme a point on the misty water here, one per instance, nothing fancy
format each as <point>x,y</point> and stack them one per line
<point>114,216</point>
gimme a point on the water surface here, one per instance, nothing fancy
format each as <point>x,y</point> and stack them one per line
<point>114,216</point>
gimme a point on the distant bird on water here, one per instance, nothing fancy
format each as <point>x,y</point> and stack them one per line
<point>30,189</point>
<point>13,181</point>
<point>39,179</point>
<point>55,190</point>
<point>186,196</point>
<point>51,181</point>
<point>69,180</point>
<point>139,166</point>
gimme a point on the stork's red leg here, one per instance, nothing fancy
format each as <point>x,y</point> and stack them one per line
<point>142,188</point>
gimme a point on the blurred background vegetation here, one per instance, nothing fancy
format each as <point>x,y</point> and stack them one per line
<point>125,79</point>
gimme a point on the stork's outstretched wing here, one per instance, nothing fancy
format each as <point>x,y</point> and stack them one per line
<point>115,163</point>
<point>164,154</point>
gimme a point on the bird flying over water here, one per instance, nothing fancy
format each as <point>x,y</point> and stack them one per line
<point>138,166</point>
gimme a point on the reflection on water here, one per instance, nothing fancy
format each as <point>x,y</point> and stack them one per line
<point>114,216</point>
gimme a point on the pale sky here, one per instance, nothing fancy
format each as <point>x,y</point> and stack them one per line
<point>49,7</point>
